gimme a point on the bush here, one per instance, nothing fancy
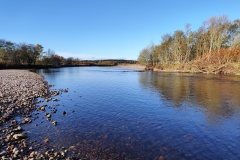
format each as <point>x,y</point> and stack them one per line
<point>223,56</point>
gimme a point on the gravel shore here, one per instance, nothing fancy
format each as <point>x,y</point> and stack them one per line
<point>19,93</point>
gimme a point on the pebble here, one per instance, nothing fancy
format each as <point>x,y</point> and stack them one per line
<point>19,128</point>
<point>13,122</point>
<point>48,115</point>
<point>3,153</point>
<point>19,90</point>
<point>19,136</point>
<point>42,108</point>
<point>54,123</point>
<point>46,140</point>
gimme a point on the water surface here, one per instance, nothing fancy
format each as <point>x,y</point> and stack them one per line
<point>120,114</point>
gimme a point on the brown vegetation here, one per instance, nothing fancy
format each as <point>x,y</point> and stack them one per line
<point>223,61</point>
<point>213,48</point>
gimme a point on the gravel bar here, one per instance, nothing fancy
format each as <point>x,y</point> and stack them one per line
<point>19,93</point>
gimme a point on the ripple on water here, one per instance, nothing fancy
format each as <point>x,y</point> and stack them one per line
<point>131,115</point>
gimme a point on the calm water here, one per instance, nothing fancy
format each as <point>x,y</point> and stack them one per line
<point>121,114</point>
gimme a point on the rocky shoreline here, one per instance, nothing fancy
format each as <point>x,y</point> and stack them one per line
<point>20,91</point>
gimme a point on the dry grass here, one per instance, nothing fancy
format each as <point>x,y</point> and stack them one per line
<point>224,61</point>
<point>132,66</point>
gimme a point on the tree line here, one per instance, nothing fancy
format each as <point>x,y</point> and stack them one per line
<point>215,42</point>
<point>14,55</point>
<point>23,54</point>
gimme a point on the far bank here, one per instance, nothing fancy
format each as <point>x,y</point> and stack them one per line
<point>227,69</point>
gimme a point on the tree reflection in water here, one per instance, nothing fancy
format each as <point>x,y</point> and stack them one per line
<point>218,94</point>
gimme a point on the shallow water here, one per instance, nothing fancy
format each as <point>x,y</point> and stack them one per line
<point>119,114</point>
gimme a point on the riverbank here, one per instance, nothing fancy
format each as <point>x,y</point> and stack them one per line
<point>2,67</point>
<point>227,69</point>
<point>137,67</point>
<point>19,91</point>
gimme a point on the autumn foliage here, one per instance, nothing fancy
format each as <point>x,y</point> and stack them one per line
<point>221,57</point>
<point>223,61</point>
<point>213,48</point>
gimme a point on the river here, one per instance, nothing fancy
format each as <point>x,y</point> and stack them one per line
<point>116,113</point>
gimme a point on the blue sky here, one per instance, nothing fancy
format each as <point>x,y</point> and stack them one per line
<point>95,29</point>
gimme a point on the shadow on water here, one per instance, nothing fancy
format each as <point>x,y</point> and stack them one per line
<point>50,72</point>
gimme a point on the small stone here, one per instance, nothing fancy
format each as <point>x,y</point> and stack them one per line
<point>42,108</point>
<point>8,137</point>
<point>72,148</point>
<point>64,113</point>
<point>13,122</point>
<point>4,158</point>
<point>19,136</point>
<point>26,120</point>
<point>55,154</point>
<point>15,151</point>
<point>19,128</point>
<point>3,153</point>
<point>54,111</point>
<point>54,123</point>
<point>46,140</point>
<point>48,115</point>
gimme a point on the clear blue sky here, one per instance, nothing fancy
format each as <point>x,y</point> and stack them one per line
<point>104,28</point>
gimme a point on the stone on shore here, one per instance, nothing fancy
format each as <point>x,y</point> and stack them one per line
<point>19,136</point>
<point>54,123</point>
<point>18,92</point>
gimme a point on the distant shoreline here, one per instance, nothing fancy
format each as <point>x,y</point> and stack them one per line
<point>137,67</point>
<point>49,66</point>
<point>83,63</point>
<point>230,69</point>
